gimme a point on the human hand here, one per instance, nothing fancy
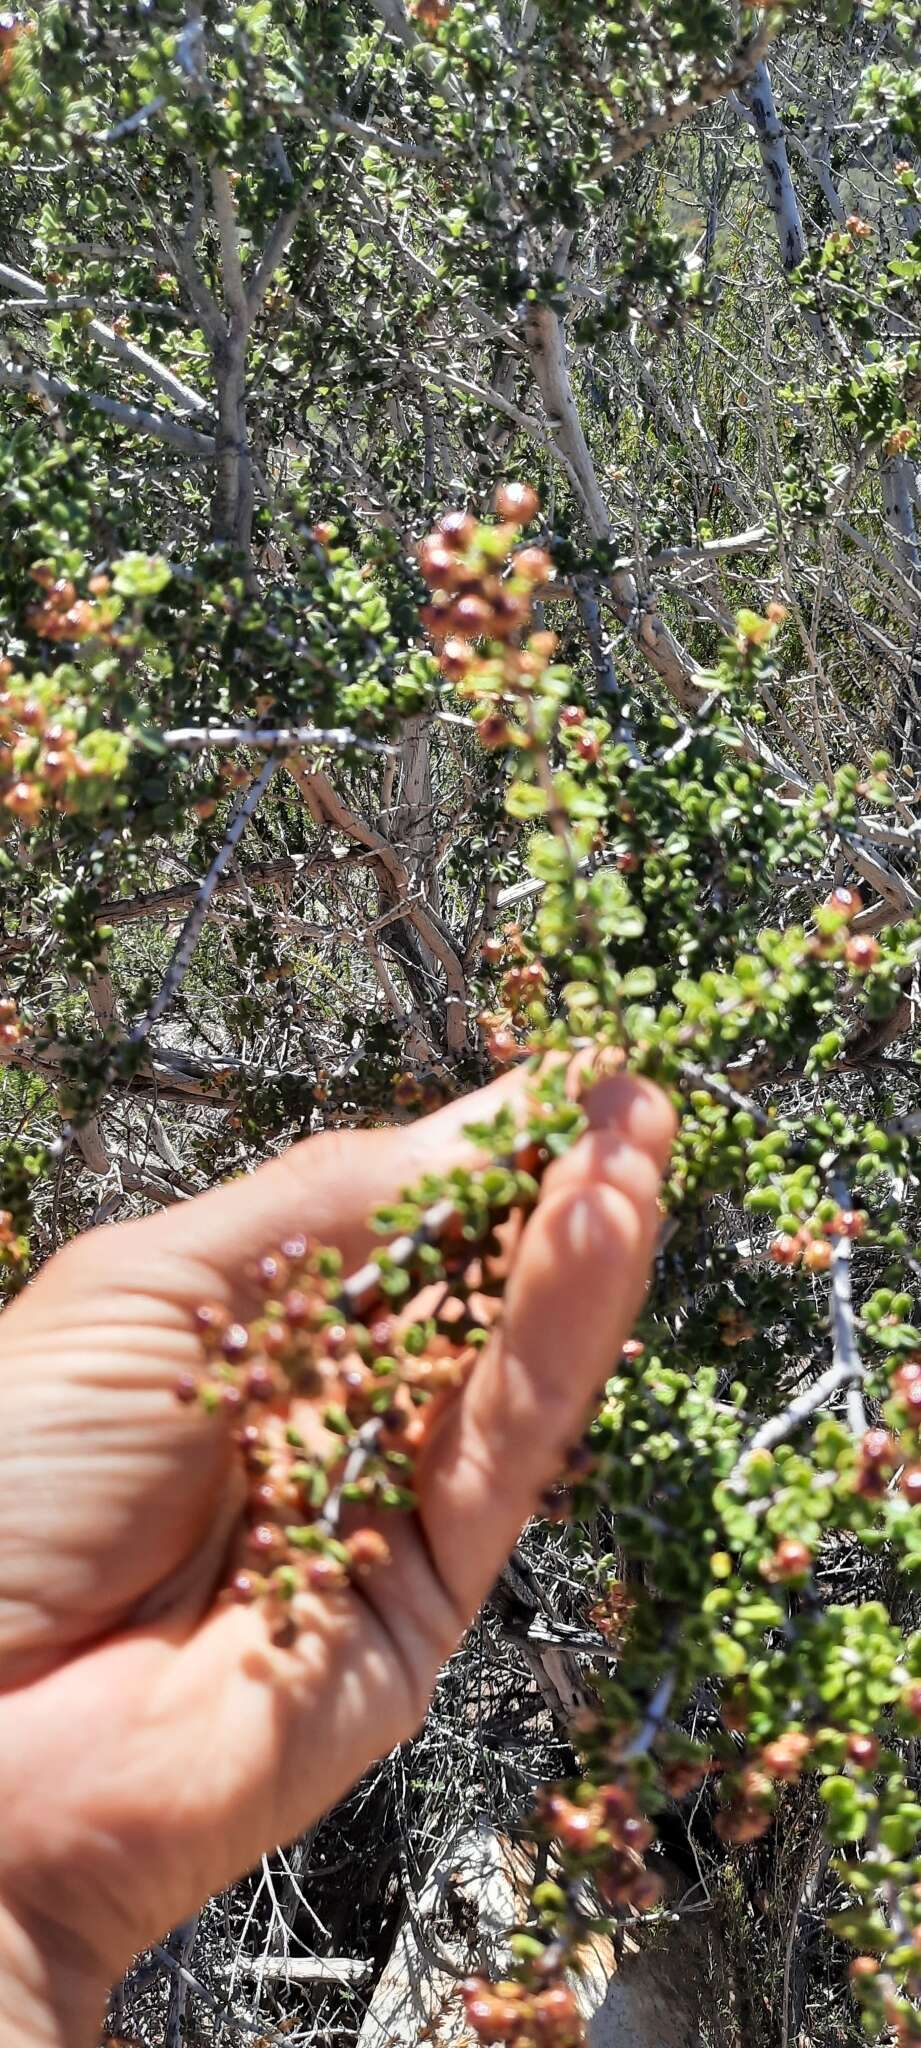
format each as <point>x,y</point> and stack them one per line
<point>154,1740</point>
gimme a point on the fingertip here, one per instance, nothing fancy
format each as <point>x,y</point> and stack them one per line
<point>638,1110</point>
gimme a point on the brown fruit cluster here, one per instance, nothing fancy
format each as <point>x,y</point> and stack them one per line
<point>11,1028</point>
<point>61,614</point>
<point>55,762</point>
<point>602,1833</point>
<point>12,29</point>
<point>885,1452</point>
<point>375,1383</point>
<point>483,592</point>
<point>813,1243</point>
<point>508,2011</point>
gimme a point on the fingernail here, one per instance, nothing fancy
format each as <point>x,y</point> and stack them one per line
<point>583,1227</point>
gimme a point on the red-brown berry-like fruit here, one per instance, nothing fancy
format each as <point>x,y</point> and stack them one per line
<point>862,1969</point>
<point>862,1750</point>
<point>555,2017</point>
<point>862,952</point>
<point>846,902</point>
<point>429,13</point>
<point>911,1700</point>
<point>187,1388</point>
<point>261,1384</point>
<point>211,1319</point>
<point>493,731</point>
<point>458,529</point>
<point>533,563</point>
<point>325,1575</point>
<point>437,562</point>
<point>910,1485</point>
<point>244,1588</point>
<point>577,1827</point>
<point>879,1448</point>
<point>785,1250</point>
<point>235,1341</point>
<point>472,615</point>
<point>784,1758</point>
<point>492,2017</point>
<point>789,1564</point>
<point>588,747</point>
<point>518,502</point>
<point>572,715</point>
<point>818,1255</point>
<point>493,951</point>
<point>455,659</point>
<point>265,1540</point>
<point>368,1551</point>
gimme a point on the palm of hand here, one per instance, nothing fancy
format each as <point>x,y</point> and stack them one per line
<point>181,1742</point>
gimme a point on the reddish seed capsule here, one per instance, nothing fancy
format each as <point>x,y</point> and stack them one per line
<point>555,2016</point>
<point>473,615</point>
<point>231,1399</point>
<point>457,529</point>
<point>294,1250</point>
<point>633,1348</point>
<point>578,1828</point>
<point>785,1757</point>
<point>530,1157</point>
<point>187,1388</point>
<point>588,747</point>
<point>211,1318</point>
<point>533,563</point>
<point>818,1255</point>
<point>846,902</point>
<point>368,1550</point>
<point>863,1750</point>
<point>243,1587</point>
<point>910,1484</point>
<point>862,952</point>
<point>785,1250</point>
<point>791,1560</point>
<point>518,502</point>
<point>502,1047</point>
<point>324,1575</point>
<point>492,2018</point>
<point>260,1383</point>
<point>911,1701</point>
<point>878,1448</point>
<point>235,1341</point>
<point>272,1271</point>
<point>297,1307</point>
<point>455,659</point>
<point>265,1540</point>
<point>437,562</point>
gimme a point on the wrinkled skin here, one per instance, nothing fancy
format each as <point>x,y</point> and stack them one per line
<point>154,1740</point>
